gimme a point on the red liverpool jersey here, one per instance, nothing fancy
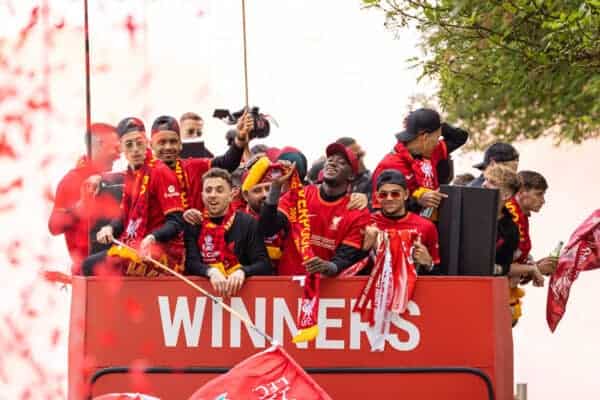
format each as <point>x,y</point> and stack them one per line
<point>194,168</point>
<point>163,197</point>
<point>419,172</point>
<point>74,227</point>
<point>413,223</point>
<point>331,224</point>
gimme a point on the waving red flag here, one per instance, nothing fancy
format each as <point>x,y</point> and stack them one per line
<point>271,374</point>
<point>582,253</point>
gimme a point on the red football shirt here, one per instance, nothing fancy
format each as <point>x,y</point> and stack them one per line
<point>419,172</point>
<point>164,197</point>
<point>194,169</point>
<point>331,224</point>
<point>413,223</point>
<point>64,218</point>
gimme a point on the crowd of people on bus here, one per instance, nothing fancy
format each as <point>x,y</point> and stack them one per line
<point>242,213</point>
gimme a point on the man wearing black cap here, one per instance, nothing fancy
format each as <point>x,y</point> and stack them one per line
<point>336,232</point>
<point>498,153</point>
<point>152,208</point>
<point>166,145</point>
<point>392,195</point>
<point>418,154</point>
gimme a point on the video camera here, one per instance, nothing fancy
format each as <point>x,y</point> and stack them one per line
<point>262,127</point>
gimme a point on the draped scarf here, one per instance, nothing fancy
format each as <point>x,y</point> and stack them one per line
<point>300,233</point>
<point>213,247</point>
<point>135,205</point>
<point>391,284</point>
<point>520,219</point>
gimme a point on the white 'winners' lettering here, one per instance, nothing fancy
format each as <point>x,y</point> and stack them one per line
<point>191,321</point>
<point>181,316</point>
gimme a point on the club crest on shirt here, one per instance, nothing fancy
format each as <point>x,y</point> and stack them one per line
<point>208,243</point>
<point>132,228</point>
<point>335,222</point>
<point>427,169</point>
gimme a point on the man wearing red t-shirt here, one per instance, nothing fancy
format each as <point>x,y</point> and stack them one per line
<point>392,195</point>
<point>418,154</point>
<point>70,215</point>
<point>166,145</point>
<point>529,198</point>
<point>336,232</point>
<point>152,208</point>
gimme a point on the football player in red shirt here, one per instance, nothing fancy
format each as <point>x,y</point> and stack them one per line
<point>69,215</point>
<point>418,153</point>
<point>392,195</point>
<point>336,232</point>
<point>152,208</point>
<point>166,145</point>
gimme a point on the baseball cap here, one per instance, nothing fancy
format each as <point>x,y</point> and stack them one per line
<point>499,152</point>
<point>165,123</point>
<point>391,176</point>
<point>423,119</point>
<point>130,124</point>
<point>337,148</point>
<point>294,155</point>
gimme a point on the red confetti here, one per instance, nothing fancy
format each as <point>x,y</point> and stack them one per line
<point>134,310</point>
<point>33,19</point>
<point>61,24</point>
<point>38,105</point>
<point>6,150</point>
<point>131,28</point>
<point>16,184</point>
<point>55,337</point>
<point>140,382</point>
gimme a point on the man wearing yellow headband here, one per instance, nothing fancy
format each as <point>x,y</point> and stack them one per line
<point>255,188</point>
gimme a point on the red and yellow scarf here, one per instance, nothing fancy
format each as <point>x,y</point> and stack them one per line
<point>135,207</point>
<point>300,233</point>
<point>522,222</point>
<point>212,244</point>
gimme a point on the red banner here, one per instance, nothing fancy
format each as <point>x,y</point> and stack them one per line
<point>271,374</point>
<point>163,322</point>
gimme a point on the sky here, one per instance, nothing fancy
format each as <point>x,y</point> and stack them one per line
<point>321,69</point>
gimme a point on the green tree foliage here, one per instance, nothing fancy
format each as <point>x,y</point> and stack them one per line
<point>510,69</point>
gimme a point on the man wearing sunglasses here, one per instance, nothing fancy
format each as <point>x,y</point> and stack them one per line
<point>336,231</point>
<point>392,194</point>
<point>151,211</point>
<point>191,135</point>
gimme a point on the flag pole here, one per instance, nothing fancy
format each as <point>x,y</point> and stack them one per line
<point>245,53</point>
<point>88,117</point>
<point>217,300</point>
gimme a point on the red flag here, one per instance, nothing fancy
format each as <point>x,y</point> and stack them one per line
<point>271,374</point>
<point>126,396</point>
<point>582,253</point>
<point>391,284</point>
